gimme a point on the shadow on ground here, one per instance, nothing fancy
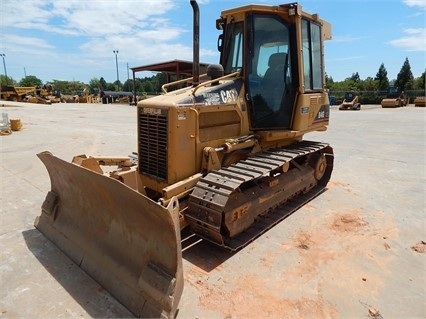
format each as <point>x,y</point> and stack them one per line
<point>201,253</point>
<point>98,303</point>
<point>92,297</point>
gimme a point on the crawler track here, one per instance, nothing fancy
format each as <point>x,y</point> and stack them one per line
<point>236,204</point>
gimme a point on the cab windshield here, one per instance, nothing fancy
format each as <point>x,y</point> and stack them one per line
<point>267,71</point>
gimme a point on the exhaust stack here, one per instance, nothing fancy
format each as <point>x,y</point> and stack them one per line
<point>196,44</point>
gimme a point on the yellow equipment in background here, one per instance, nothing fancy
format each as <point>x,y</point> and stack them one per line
<point>31,94</point>
<point>350,102</point>
<point>420,101</point>
<point>16,93</point>
<point>394,98</point>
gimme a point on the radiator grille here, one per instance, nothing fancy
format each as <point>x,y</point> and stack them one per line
<point>153,144</point>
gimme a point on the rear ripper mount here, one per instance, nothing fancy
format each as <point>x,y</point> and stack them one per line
<point>234,205</point>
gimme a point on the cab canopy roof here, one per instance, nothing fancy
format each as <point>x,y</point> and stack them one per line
<point>175,67</point>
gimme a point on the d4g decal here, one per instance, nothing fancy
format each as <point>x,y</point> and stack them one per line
<point>323,114</point>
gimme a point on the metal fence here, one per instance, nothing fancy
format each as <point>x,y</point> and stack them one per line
<point>373,97</point>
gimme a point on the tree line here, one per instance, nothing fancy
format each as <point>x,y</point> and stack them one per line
<point>372,90</point>
<point>147,85</point>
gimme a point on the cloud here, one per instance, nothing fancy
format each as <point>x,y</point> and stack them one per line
<point>346,38</point>
<point>27,42</point>
<point>348,58</point>
<point>416,3</point>
<point>417,14</point>
<point>414,40</point>
<point>76,17</point>
<point>74,37</point>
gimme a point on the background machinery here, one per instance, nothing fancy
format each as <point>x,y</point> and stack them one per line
<point>394,98</point>
<point>16,93</point>
<point>32,94</point>
<point>350,102</point>
<point>225,157</point>
<point>420,101</point>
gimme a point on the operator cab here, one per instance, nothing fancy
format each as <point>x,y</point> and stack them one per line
<point>264,48</point>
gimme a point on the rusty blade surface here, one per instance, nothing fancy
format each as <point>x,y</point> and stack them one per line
<point>125,241</point>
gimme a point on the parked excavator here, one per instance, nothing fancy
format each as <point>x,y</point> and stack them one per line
<point>225,157</point>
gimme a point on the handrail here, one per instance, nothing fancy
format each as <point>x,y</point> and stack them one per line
<point>164,86</point>
<point>215,80</point>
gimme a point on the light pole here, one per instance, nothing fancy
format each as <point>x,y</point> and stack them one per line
<point>116,65</point>
<point>127,71</point>
<point>4,65</point>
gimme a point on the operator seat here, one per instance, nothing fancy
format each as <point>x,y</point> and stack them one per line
<point>273,81</point>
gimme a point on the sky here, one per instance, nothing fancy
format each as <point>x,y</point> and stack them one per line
<point>74,40</point>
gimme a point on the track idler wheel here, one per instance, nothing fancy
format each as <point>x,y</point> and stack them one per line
<point>322,163</point>
<point>320,167</point>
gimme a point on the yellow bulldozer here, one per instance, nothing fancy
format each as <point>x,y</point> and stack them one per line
<point>224,157</point>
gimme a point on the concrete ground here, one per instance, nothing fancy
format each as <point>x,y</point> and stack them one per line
<point>356,251</point>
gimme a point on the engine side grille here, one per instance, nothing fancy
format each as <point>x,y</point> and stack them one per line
<point>153,144</point>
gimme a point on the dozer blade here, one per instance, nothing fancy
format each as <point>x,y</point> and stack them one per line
<point>125,241</point>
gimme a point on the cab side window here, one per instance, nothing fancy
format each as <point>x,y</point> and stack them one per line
<point>312,56</point>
